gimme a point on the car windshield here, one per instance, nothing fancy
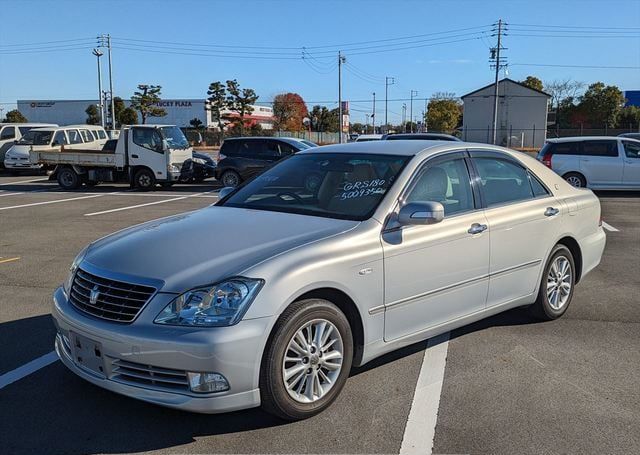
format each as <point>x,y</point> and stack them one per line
<point>36,138</point>
<point>333,185</point>
<point>175,137</point>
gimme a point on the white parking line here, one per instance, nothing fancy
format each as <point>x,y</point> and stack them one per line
<point>608,227</point>
<point>421,424</point>
<point>24,181</point>
<point>52,202</point>
<point>10,194</point>
<point>144,205</point>
<point>28,368</point>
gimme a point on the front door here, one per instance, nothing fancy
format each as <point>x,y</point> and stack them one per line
<point>146,149</point>
<point>631,173</point>
<point>436,273</point>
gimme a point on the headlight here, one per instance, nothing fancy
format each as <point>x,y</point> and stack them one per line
<point>72,270</point>
<point>220,304</point>
<point>198,160</point>
<point>173,168</point>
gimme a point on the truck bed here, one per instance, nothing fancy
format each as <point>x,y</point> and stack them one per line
<point>92,158</point>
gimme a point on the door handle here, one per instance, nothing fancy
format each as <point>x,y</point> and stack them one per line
<point>551,211</point>
<point>134,156</point>
<point>477,228</point>
<point>628,161</point>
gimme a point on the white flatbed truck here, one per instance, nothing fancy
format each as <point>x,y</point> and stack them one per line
<point>143,156</point>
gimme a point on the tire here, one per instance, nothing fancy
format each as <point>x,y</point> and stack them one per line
<point>575,179</point>
<point>306,317</point>
<point>68,179</point>
<point>549,306</point>
<point>144,180</point>
<point>230,178</point>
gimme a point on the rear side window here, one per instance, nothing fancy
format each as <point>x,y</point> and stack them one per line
<point>102,134</point>
<point>563,148</point>
<point>87,136</point>
<point>600,148</point>
<point>251,148</point>
<point>503,181</point>
<point>74,137</point>
<point>8,132</point>
<point>229,148</point>
<point>538,188</point>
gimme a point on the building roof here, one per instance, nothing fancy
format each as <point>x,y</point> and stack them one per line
<point>506,79</point>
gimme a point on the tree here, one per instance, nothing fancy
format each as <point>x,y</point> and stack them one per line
<point>15,116</point>
<point>146,99</point>
<point>128,116</point>
<point>240,101</point>
<point>629,118</point>
<point>289,111</point>
<point>560,90</point>
<point>118,107</point>
<point>93,116</point>
<point>443,113</point>
<point>358,127</point>
<point>602,103</point>
<point>323,119</point>
<point>196,123</point>
<point>217,103</point>
<point>533,82</point>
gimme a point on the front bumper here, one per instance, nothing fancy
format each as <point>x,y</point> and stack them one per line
<point>16,163</point>
<point>234,352</point>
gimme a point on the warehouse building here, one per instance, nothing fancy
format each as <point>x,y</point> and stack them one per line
<point>179,112</point>
<point>522,115</point>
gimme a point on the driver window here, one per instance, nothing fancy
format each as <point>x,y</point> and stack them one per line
<point>60,138</point>
<point>446,182</point>
<point>148,138</point>
<point>8,132</point>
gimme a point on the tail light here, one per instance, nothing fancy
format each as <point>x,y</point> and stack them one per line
<point>546,160</point>
<point>600,222</point>
<point>221,157</point>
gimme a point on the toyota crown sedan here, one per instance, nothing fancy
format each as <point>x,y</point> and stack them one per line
<point>287,286</point>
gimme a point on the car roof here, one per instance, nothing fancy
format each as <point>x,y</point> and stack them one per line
<point>288,140</point>
<point>370,136</point>
<point>582,138</point>
<point>84,126</point>
<point>426,136</point>
<point>26,124</point>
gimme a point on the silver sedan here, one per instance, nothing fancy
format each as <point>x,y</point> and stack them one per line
<point>329,259</point>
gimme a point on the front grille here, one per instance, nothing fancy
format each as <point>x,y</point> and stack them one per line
<point>117,301</point>
<point>147,375</point>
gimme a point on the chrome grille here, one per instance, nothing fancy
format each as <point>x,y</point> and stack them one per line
<point>139,374</point>
<point>117,301</point>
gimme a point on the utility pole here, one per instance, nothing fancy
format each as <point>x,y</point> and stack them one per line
<point>373,115</point>
<point>387,82</point>
<point>495,55</point>
<point>98,53</point>
<point>341,60</point>
<point>105,41</point>
<point>413,93</point>
<point>404,117</point>
<point>424,115</point>
<point>366,125</point>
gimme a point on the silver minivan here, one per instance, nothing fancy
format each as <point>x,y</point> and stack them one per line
<point>599,162</point>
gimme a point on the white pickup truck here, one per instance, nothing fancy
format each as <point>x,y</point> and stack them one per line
<point>143,156</point>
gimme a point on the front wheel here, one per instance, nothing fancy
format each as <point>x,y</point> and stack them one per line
<point>68,179</point>
<point>144,180</point>
<point>557,284</point>
<point>307,360</point>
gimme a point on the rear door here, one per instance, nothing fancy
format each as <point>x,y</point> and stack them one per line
<point>524,221</point>
<point>75,139</point>
<point>601,163</point>
<point>631,172</point>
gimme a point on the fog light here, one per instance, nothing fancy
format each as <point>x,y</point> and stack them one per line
<point>207,382</point>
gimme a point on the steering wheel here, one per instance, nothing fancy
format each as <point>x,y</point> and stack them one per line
<point>291,194</point>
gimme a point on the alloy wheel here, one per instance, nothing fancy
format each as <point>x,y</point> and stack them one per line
<point>559,282</point>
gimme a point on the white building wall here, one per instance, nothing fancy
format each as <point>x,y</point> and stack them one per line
<point>522,113</point>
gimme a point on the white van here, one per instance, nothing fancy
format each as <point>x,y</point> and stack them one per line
<point>51,138</point>
<point>96,132</point>
<point>12,132</point>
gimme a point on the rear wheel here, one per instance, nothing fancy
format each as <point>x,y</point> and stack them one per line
<point>68,179</point>
<point>230,178</point>
<point>144,180</point>
<point>575,179</point>
<point>307,360</point>
<point>556,285</point>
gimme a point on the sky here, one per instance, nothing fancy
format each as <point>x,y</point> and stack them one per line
<point>185,45</point>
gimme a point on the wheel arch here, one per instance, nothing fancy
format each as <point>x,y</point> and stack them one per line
<point>579,174</point>
<point>574,247</point>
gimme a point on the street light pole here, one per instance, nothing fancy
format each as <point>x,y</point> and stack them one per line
<point>341,60</point>
<point>99,54</point>
<point>373,115</point>
<point>413,93</point>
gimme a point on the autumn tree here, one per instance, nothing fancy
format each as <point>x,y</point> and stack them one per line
<point>533,82</point>
<point>217,103</point>
<point>146,99</point>
<point>289,111</point>
<point>602,103</point>
<point>443,112</point>
<point>15,116</point>
<point>240,101</point>
<point>93,116</point>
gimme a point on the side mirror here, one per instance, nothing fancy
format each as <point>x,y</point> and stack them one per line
<point>224,192</point>
<point>428,212</point>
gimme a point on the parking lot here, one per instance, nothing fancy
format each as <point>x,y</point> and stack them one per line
<point>508,384</point>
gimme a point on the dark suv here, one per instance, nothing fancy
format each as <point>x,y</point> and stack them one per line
<point>244,157</point>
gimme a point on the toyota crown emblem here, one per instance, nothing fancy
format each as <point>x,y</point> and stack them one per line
<point>94,294</point>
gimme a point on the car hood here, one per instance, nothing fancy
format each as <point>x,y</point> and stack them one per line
<point>197,248</point>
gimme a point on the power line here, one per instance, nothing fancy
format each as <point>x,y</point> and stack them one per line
<point>574,26</point>
<point>577,66</point>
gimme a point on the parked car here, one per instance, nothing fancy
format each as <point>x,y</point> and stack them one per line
<point>630,135</point>
<point>420,136</point>
<point>368,137</point>
<point>242,158</point>
<point>10,133</point>
<point>91,133</point>
<point>288,288</point>
<point>600,162</point>
<point>306,142</point>
<point>50,138</point>
<point>204,167</point>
